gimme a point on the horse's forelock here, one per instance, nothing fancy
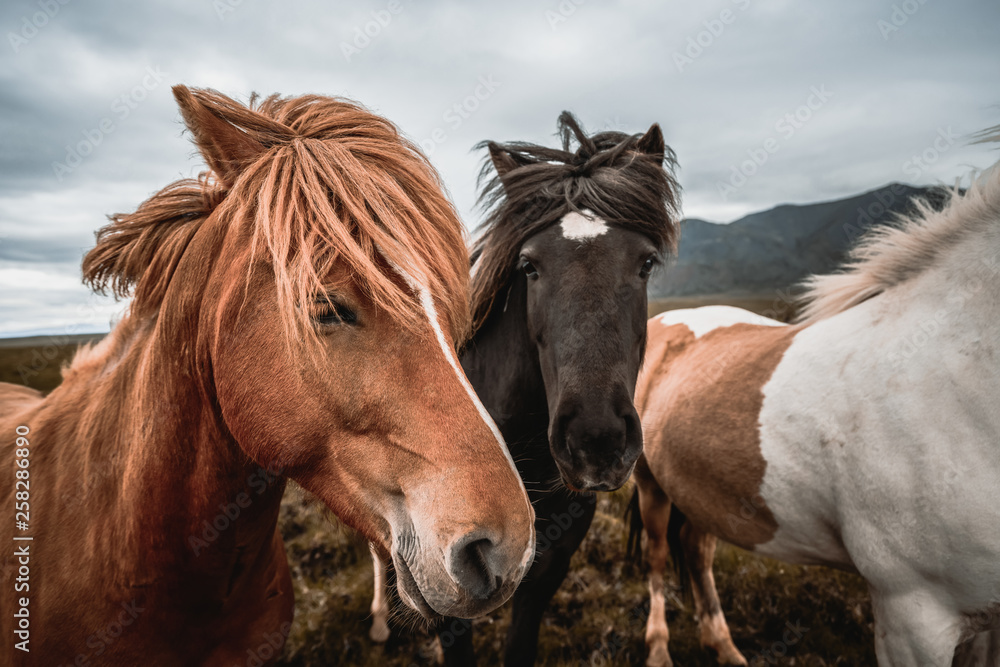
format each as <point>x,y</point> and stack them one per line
<point>607,174</point>
<point>335,183</point>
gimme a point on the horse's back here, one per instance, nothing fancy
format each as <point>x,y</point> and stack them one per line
<point>699,397</point>
<point>15,399</point>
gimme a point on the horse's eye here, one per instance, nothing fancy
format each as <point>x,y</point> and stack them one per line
<point>529,269</point>
<point>331,313</point>
<point>647,267</point>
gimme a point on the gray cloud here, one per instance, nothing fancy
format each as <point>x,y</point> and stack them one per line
<point>898,72</point>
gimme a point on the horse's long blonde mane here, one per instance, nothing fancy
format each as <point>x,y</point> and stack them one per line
<point>891,255</point>
<point>333,183</point>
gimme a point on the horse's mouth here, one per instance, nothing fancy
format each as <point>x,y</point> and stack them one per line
<point>570,485</point>
<point>409,591</point>
<point>592,487</point>
<point>587,484</point>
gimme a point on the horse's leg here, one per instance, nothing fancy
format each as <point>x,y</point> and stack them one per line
<point>461,653</point>
<point>914,630</point>
<point>654,507</point>
<point>379,631</point>
<point>699,551</point>
<point>454,639</point>
<point>561,524</point>
<point>982,649</point>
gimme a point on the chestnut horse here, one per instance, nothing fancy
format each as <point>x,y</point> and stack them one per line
<point>559,301</point>
<point>866,437</point>
<point>295,315</point>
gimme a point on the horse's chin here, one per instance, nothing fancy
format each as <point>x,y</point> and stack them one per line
<point>438,607</point>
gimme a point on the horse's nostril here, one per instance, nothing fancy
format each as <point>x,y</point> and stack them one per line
<point>472,567</point>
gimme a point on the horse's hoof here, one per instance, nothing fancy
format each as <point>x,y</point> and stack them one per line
<point>379,632</point>
<point>659,656</point>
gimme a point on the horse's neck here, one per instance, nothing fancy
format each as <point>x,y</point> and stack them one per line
<point>140,444</point>
<point>501,361</point>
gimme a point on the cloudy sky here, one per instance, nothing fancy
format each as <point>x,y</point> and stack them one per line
<point>764,101</point>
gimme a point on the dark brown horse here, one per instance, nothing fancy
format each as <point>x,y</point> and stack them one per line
<point>559,298</point>
<point>295,316</point>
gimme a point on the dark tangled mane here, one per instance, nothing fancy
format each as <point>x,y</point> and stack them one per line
<point>609,174</point>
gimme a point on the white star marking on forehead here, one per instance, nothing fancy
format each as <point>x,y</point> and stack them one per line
<point>582,227</point>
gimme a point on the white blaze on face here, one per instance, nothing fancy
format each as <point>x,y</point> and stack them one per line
<point>709,318</point>
<point>582,227</point>
<point>427,301</point>
<point>430,310</point>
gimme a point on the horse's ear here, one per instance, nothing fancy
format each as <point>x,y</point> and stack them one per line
<point>652,143</point>
<point>227,149</point>
<point>503,160</point>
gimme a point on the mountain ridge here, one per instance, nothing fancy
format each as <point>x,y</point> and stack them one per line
<point>776,249</point>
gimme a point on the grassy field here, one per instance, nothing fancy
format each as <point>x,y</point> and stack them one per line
<point>36,362</point>
<point>598,616</point>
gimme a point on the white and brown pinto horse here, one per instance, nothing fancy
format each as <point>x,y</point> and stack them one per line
<point>866,437</point>
<point>295,316</point>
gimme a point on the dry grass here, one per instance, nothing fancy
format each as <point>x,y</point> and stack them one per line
<point>598,616</point>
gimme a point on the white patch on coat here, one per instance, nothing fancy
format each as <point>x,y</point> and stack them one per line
<point>709,318</point>
<point>582,227</point>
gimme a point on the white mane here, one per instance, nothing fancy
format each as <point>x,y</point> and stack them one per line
<point>891,255</point>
